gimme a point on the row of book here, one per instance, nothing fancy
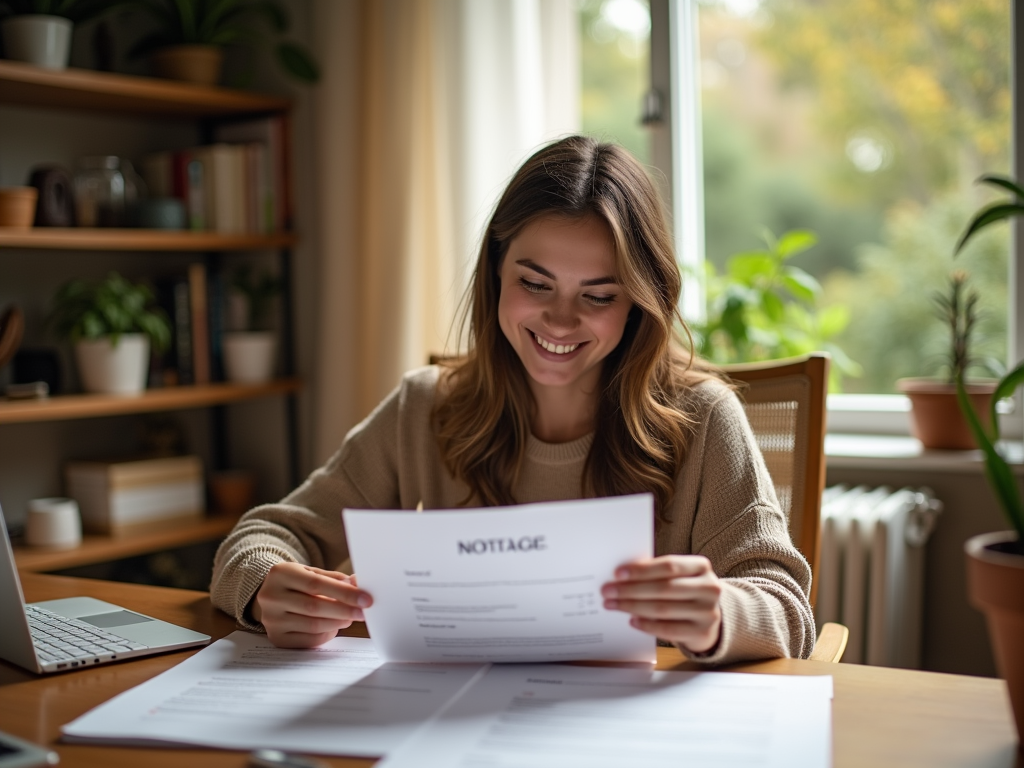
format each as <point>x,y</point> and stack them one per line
<point>195,304</point>
<point>236,185</point>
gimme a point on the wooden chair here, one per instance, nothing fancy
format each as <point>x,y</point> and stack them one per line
<point>785,405</point>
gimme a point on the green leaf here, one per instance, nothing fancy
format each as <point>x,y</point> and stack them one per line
<point>187,18</point>
<point>272,12</point>
<point>1004,182</point>
<point>1005,388</point>
<point>773,307</point>
<point>1000,476</point>
<point>985,217</point>
<point>794,242</point>
<point>748,267</point>
<point>800,284</point>
<point>299,63</point>
<point>833,320</point>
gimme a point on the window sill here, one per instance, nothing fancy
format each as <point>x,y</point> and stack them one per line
<point>877,415</point>
<point>850,451</point>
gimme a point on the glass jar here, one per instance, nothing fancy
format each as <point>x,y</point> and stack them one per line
<point>107,192</point>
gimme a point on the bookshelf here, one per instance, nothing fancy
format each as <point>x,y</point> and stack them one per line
<point>157,101</point>
<point>150,401</point>
<point>82,239</point>
<point>86,90</point>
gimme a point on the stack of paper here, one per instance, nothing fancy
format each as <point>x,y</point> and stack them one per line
<point>340,699</point>
<point>488,585</point>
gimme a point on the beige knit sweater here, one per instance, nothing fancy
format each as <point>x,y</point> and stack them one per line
<point>724,508</point>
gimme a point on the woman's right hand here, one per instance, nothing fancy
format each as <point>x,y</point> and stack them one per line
<point>302,607</point>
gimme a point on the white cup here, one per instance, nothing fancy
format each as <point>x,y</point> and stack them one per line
<point>53,522</point>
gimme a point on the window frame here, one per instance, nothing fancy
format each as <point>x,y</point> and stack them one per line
<point>676,153</point>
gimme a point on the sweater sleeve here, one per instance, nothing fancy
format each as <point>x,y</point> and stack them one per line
<point>741,529</point>
<point>306,526</point>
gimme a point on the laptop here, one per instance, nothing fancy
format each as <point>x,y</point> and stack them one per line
<point>76,632</point>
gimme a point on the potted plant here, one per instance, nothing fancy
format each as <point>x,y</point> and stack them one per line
<point>188,43</point>
<point>762,308</point>
<point>935,416</point>
<point>111,324</point>
<point>249,354</point>
<point>39,31</point>
<point>995,561</point>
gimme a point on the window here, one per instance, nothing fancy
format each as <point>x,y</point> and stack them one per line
<point>866,123</point>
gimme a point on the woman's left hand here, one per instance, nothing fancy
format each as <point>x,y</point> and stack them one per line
<point>674,597</point>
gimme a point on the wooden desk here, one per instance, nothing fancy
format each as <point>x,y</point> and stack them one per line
<point>881,717</point>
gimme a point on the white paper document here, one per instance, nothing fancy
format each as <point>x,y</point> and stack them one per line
<point>502,584</point>
<point>557,716</point>
<point>243,693</point>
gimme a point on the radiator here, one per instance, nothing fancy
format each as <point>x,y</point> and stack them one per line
<point>871,570</point>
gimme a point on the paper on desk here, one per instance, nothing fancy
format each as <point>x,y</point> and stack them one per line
<point>518,584</point>
<point>243,693</point>
<point>557,716</point>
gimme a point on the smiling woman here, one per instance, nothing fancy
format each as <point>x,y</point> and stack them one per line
<point>574,386</point>
<point>563,312</point>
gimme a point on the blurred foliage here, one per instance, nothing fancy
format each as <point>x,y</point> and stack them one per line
<point>866,122</point>
<point>745,193</point>
<point>927,79</point>
<point>84,309</point>
<point>894,331</point>
<point>615,73</point>
<point>763,308</point>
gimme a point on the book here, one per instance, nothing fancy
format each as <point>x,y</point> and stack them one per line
<point>223,186</point>
<point>175,366</point>
<point>200,329</point>
<point>216,304</point>
<point>271,133</point>
<point>158,173</point>
<point>115,495</point>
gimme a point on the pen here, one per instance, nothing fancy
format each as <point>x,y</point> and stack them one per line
<point>275,758</point>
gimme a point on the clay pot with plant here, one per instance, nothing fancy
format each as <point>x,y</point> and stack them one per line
<point>250,353</point>
<point>190,37</point>
<point>995,561</point>
<point>112,324</point>
<point>935,417</point>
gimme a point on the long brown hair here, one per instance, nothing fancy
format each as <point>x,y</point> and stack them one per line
<point>482,418</point>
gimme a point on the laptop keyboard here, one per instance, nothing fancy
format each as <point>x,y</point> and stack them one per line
<point>62,641</point>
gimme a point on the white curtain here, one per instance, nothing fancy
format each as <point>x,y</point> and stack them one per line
<point>420,122</point>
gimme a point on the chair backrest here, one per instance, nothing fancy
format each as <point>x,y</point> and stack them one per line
<point>785,404</point>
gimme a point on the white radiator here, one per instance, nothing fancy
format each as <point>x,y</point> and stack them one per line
<point>871,570</point>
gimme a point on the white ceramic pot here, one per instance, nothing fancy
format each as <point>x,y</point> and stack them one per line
<point>53,522</point>
<point>249,356</point>
<point>39,39</point>
<point>114,370</point>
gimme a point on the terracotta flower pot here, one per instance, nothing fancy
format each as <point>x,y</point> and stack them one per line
<point>935,416</point>
<point>995,584</point>
<point>200,64</point>
<point>18,206</point>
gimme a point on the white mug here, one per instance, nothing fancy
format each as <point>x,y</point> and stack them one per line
<point>53,522</point>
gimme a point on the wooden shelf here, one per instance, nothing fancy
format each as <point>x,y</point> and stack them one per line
<point>85,239</point>
<point>84,89</point>
<point>94,548</point>
<point>167,399</point>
